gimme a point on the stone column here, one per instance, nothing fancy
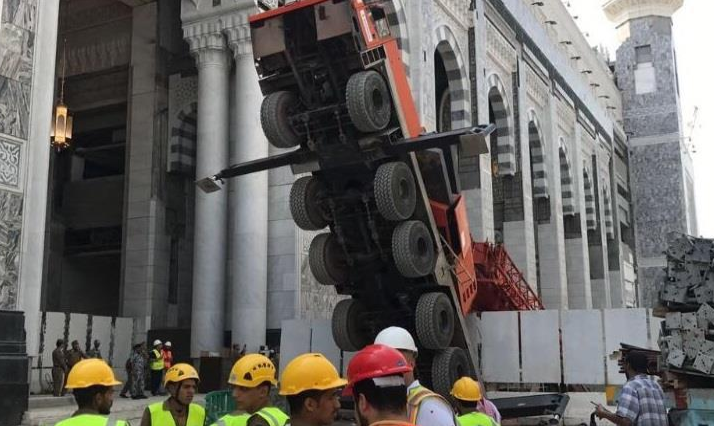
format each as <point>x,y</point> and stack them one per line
<point>209,254</point>
<point>249,201</point>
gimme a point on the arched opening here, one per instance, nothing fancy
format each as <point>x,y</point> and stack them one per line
<point>539,185</point>
<point>590,208</point>
<point>182,145</point>
<point>451,83</point>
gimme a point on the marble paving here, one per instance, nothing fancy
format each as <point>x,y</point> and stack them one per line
<point>10,226</point>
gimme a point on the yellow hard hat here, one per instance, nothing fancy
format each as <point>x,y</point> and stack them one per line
<point>467,389</point>
<point>309,372</point>
<point>91,372</point>
<point>180,372</point>
<point>252,370</point>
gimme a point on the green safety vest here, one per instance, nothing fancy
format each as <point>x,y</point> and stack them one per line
<point>415,396</point>
<point>232,420</point>
<point>274,416</point>
<point>476,419</point>
<point>161,417</point>
<point>92,420</point>
<point>158,363</point>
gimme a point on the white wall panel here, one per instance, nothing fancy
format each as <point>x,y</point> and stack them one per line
<point>622,326</point>
<point>102,331</point>
<point>500,347</point>
<point>322,341</point>
<point>583,347</point>
<point>78,330</point>
<point>294,340</point>
<point>123,331</point>
<point>540,349</point>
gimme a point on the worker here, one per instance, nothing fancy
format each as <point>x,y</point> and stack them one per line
<point>251,379</point>
<point>156,367</point>
<point>376,381</point>
<point>312,387</point>
<point>168,355</point>
<point>92,382</point>
<point>59,368</point>
<point>425,407</point>
<point>181,383</point>
<point>467,394</point>
<point>75,354</point>
<point>641,401</point>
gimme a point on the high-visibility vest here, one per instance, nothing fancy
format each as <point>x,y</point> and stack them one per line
<point>161,417</point>
<point>415,396</point>
<point>92,420</point>
<point>232,420</point>
<point>158,362</point>
<point>476,419</point>
<point>273,415</point>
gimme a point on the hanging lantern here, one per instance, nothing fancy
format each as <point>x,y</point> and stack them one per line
<point>61,135</point>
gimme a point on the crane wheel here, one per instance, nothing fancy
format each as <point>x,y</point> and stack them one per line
<point>304,207</point>
<point>447,367</point>
<point>434,318</point>
<point>327,260</point>
<point>395,191</point>
<point>413,249</point>
<point>275,112</point>
<point>369,103</point>
<point>347,328</point>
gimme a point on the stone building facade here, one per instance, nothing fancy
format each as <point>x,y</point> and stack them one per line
<point>165,92</point>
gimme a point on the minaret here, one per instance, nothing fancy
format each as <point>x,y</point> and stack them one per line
<point>660,165</point>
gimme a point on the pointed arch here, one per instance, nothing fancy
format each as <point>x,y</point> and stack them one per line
<point>457,76</point>
<point>566,180</point>
<point>537,151</point>
<point>590,212</point>
<point>609,225</point>
<point>505,146</point>
<point>182,142</point>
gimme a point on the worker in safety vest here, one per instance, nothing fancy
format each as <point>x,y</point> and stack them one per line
<point>376,382</point>
<point>156,367</point>
<point>251,379</point>
<point>92,382</point>
<point>467,394</point>
<point>312,387</point>
<point>425,407</point>
<point>181,383</point>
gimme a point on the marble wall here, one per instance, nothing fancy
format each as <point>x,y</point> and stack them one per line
<point>17,36</point>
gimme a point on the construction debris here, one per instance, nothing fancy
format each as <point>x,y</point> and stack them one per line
<point>687,337</point>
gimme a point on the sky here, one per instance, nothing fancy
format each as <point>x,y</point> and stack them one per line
<point>693,28</point>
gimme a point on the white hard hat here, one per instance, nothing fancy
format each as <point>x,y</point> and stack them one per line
<point>397,338</point>
<point>157,342</point>
<point>167,343</point>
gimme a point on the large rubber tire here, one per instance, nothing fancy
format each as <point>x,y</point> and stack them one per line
<point>368,101</point>
<point>395,191</point>
<point>274,118</point>
<point>435,321</point>
<point>413,249</point>
<point>303,204</point>
<point>447,367</point>
<point>327,260</point>
<point>347,328</point>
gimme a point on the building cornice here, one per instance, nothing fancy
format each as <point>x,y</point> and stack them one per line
<point>621,11</point>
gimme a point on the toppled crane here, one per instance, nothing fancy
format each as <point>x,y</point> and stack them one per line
<point>398,240</point>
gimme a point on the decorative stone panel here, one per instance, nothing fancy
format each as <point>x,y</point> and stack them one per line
<point>10,163</point>
<point>10,227</point>
<point>499,49</point>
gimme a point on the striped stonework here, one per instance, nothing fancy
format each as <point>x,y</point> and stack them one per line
<point>590,206</point>
<point>609,226</point>
<point>457,76</point>
<point>505,147</point>
<point>537,151</point>
<point>397,20</point>
<point>566,181</point>
<point>182,142</point>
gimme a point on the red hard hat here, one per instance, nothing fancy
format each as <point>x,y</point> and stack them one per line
<point>375,361</point>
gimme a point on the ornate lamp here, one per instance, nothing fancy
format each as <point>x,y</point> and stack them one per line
<point>61,134</point>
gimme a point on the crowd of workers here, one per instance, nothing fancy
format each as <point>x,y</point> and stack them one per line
<point>381,380</point>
